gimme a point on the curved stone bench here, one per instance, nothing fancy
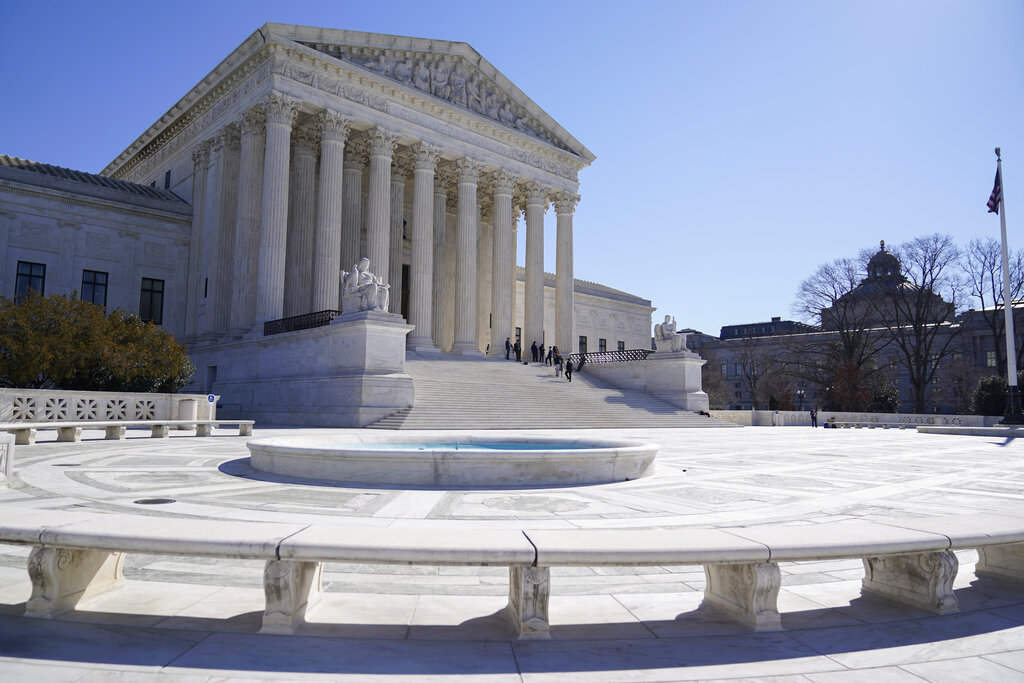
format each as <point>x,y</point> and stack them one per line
<point>25,432</point>
<point>80,555</point>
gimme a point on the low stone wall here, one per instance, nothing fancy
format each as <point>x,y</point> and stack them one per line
<point>672,377</point>
<point>782,418</point>
<point>44,405</point>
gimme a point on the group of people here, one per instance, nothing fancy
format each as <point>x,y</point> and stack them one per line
<point>552,357</point>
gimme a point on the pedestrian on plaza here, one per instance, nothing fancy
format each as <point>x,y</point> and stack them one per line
<point>540,353</point>
<point>558,364</point>
<point>508,347</point>
<point>814,417</point>
<point>519,351</point>
<point>551,354</point>
<point>568,370</point>
<point>534,350</point>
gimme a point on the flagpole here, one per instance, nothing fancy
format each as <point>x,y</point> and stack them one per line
<point>1013,414</point>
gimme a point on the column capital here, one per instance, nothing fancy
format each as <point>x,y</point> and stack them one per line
<point>280,108</point>
<point>401,165</point>
<point>381,141</point>
<point>504,182</point>
<point>468,169</point>
<point>333,126</point>
<point>201,155</point>
<point>536,194</point>
<point>445,176</point>
<point>356,153</point>
<point>425,156</point>
<point>565,202</point>
<point>306,141</point>
<point>252,124</point>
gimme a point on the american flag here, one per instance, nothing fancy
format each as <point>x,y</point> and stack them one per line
<point>997,195</point>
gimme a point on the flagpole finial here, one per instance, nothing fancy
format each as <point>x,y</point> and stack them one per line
<point>998,157</point>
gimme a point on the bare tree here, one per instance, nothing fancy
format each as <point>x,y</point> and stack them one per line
<point>714,383</point>
<point>759,360</point>
<point>918,311</point>
<point>982,266</point>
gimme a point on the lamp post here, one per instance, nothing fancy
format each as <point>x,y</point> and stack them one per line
<point>800,399</point>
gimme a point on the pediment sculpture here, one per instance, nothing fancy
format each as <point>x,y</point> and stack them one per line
<point>361,290</point>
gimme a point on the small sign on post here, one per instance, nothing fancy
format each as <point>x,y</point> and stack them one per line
<point>211,398</point>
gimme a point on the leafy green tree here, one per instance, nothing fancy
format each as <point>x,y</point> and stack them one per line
<point>991,394</point>
<point>62,342</point>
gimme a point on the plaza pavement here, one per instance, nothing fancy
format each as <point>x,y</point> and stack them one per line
<point>193,619</point>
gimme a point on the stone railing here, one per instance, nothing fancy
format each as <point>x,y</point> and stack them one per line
<point>305,321</point>
<point>42,405</point>
<point>610,356</point>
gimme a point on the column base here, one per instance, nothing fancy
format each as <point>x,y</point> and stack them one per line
<point>466,349</point>
<point>421,345</point>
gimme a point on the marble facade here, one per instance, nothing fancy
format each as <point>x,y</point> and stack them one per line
<point>308,148</point>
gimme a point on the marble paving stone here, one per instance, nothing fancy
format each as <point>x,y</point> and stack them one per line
<point>924,640</point>
<point>1013,660</point>
<point>458,617</point>
<point>962,670</point>
<point>591,617</point>
<point>885,674</point>
<point>428,661</point>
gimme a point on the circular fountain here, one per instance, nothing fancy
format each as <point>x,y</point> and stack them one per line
<point>454,460</point>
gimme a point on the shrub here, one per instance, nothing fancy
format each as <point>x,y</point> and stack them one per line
<point>62,342</point>
<point>990,396</point>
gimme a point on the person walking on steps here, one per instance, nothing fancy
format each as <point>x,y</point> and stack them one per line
<point>534,350</point>
<point>558,364</point>
<point>551,354</point>
<point>568,370</point>
<point>519,351</point>
<point>508,347</point>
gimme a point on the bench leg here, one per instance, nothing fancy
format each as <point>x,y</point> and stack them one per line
<point>115,432</point>
<point>529,591</point>
<point>748,592</point>
<point>204,429</point>
<point>1004,561</point>
<point>73,434</point>
<point>24,437</point>
<point>160,432</point>
<point>292,589</point>
<point>62,577</point>
<point>245,430</point>
<point>923,580</point>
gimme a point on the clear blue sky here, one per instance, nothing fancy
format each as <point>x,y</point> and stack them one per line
<point>739,144</point>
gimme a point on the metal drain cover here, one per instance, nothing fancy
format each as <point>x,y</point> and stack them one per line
<point>154,501</point>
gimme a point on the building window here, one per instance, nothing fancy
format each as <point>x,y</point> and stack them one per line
<point>30,276</point>
<point>621,345</point>
<point>94,287</point>
<point>602,345</point>
<point>739,395</point>
<point>737,369</point>
<point>519,334</point>
<point>725,368</point>
<point>583,344</point>
<point>990,356</point>
<point>151,303</point>
<point>167,180</point>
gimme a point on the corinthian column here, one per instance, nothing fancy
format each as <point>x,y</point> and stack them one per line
<point>421,312</point>
<point>247,221</point>
<point>200,161</point>
<point>327,249</point>
<point>280,111</point>
<point>400,167</point>
<point>565,207</point>
<point>465,259</point>
<point>352,204</point>
<point>503,261</point>
<point>298,272</point>
<point>440,218</point>
<point>378,214</point>
<point>533,304</point>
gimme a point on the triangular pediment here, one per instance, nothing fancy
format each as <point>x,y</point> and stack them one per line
<point>450,71</point>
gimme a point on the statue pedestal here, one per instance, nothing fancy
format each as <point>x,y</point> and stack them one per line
<point>346,374</point>
<point>675,378</point>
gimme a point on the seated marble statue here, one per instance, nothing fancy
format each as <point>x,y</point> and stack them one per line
<point>361,290</point>
<point>666,338</point>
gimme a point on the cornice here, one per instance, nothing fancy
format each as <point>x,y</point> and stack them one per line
<point>50,195</point>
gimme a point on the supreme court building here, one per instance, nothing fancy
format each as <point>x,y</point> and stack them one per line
<point>304,150</point>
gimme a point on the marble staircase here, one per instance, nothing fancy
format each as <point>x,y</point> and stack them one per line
<point>455,393</point>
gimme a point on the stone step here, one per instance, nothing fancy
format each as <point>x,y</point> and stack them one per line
<point>456,393</point>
